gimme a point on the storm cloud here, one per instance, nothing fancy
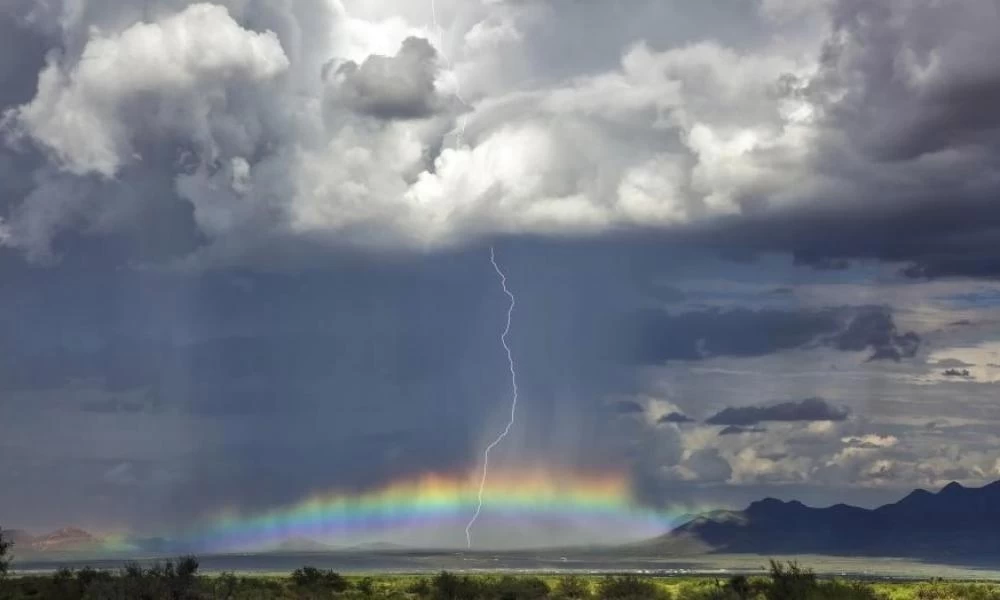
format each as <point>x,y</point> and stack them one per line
<point>757,147</point>
<point>810,409</point>
<point>397,87</point>
<point>738,430</point>
<point>675,417</point>
<point>661,336</point>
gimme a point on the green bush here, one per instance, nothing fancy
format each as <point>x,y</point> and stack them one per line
<point>630,587</point>
<point>226,586</point>
<point>702,591</point>
<point>5,546</point>
<point>312,579</point>
<point>448,586</point>
<point>573,587</point>
<point>790,582</point>
<point>939,590</point>
<point>516,588</point>
<point>421,588</point>
<point>367,587</point>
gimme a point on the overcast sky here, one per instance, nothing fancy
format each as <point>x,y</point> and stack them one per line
<point>244,248</point>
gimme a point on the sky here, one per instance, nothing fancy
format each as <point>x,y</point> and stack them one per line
<point>245,244</point>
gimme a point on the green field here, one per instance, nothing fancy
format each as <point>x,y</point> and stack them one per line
<point>180,580</point>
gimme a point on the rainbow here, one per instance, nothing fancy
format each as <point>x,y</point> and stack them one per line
<point>431,508</point>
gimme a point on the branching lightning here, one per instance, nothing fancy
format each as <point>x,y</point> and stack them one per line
<point>513,405</point>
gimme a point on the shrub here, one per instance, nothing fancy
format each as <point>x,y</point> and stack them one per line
<point>88,577</point>
<point>316,580</point>
<point>421,587</point>
<point>367,586</point>
<point>716,590</point>
<point>740,587</point>
<point>226,585</point>
<point>573,587</point>
<point>448,586</point>
<point>790,583</point>
<point>630,587</point>
<point>517,588</point>
<point>5,546</point>
<point>64,585</point>
<point>840,590</point>
<point>940,590</point>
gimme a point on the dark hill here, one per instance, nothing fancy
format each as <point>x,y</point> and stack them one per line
<point>956,521</point>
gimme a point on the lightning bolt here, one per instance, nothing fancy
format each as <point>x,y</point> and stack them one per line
<point>513,405</point>
<point>462,119</point>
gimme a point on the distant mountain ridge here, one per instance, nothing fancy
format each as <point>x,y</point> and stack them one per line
<point>956,521</point>
<point>67,539</point>
<point>301,544</point>
<point>76,540</point>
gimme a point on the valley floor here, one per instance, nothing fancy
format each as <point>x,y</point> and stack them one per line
<point>182,580</point>
<point>593,562</point>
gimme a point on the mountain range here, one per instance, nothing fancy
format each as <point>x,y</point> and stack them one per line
<point>67,539</point>
<point>956,521</point>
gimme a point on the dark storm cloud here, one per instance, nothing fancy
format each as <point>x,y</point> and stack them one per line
<point>958,92</point>
<point>231,373</point>
<point>675,417</point>
<point>390,87</point>
<point>875,329</point>
<point>952,362</point>
<point>905,96</point>
<point>660,336</point>
<point>901,135</point>
<point>737,430</point>
<point>955,373</point>
<point>810,409</point>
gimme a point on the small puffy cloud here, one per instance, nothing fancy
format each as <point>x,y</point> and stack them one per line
<point>738,430</point>
<point>810,409</point>
<point>881,469</point>
<point>871,441</point>
<point>675,417</point>
<point>956,373</point>
<point>706,466</point>
<point>951,363</point>
<point>751,465</point>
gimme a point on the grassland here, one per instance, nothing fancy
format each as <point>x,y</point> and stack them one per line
<point>180,580</point>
